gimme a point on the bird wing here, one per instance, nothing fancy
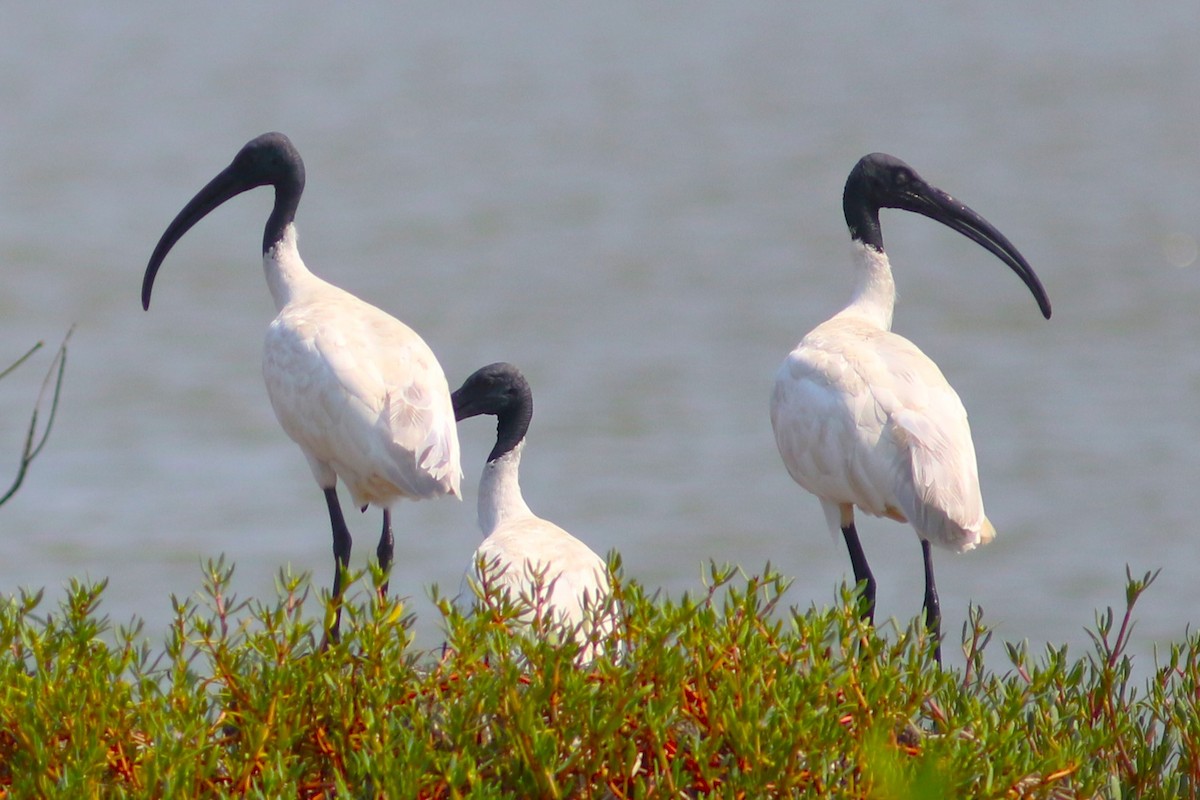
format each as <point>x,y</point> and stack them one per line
<point>939,491</point>
<point>862,416</point>
<point>828,425</point>
<point>360,391</point>
<point>573,578</point>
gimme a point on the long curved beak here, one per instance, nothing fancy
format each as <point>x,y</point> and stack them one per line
<point>466,406</point>
<point>228,183</point>
<point>938,205</point>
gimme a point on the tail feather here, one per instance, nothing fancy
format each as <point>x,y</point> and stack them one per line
<point>987,533</point>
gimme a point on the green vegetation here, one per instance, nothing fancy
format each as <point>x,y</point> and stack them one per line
<point>725,694</point>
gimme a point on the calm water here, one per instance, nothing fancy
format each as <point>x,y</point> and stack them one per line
<point>640,206</point>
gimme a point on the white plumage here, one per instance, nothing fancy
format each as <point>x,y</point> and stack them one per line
<point>358,390</point>
<point>862,418</point>
<point>542,568</point>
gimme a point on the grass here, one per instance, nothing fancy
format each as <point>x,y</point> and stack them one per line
<point>724,694</point>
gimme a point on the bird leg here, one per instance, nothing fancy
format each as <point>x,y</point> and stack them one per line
<point>341,558</point>
<point>933,606</point>
<point>862,572</point>
<point>385,550</point>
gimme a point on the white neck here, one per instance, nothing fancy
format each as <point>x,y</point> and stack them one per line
<point>874,296</point>
<point>500,497</point>
<point>285,269</point>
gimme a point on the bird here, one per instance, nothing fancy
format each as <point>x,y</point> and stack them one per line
<point>543,568</point>
<point>358,390</point>
<point>862,418</point>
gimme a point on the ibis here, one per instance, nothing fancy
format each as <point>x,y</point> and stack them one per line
<point>864,419</point>
<point>543,569</point>
<point>358,390</point>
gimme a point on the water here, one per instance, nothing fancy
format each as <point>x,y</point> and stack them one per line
<point>640,206</point>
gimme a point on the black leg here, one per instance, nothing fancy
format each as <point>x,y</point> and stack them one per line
<point>862,572</point>
<point>341,557</point>
<point>933,606</point>
<point>385,550</point>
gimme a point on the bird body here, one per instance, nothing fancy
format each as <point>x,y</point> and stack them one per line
<point>542,568</point>
<point>359,391</point>
<point>521,550</point>
<point>864,419</point>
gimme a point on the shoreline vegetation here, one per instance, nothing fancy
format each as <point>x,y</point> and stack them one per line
<point>36,436</point>
<point>723,693</point>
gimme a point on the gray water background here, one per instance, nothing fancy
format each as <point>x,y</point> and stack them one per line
<point>638,204</point>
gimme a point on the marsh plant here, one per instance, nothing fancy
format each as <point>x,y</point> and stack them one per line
<point>725,693</point>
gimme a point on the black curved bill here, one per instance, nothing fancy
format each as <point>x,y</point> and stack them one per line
<point>462,405</point>
<point>938,205</point>
<point>227,184</point>
<point>471,400</point>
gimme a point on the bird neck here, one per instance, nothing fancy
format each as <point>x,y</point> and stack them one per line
<point>289,186</point>
<point>512,422</point>
<point>285,270</point>
<point>874,297</point>
<point>500,497</point>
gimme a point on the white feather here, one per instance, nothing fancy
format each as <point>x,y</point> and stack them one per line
<point>542,568</point>
<point>863,418</point>
<point>358,390</point>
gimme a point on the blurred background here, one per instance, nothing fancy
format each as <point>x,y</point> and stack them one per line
<point>640,206</point>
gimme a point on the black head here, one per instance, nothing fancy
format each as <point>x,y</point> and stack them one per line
<point>501,390</point>
<point>882,181</point>
<point>267,160</point>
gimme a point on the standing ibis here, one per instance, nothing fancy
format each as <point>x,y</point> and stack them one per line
<point>542,568</point>
<point>862,417</point>
<point>357,389</point>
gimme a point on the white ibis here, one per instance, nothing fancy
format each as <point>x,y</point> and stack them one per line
<point>357,389</point>
<point>862,417</point>
<point>520,549</point>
